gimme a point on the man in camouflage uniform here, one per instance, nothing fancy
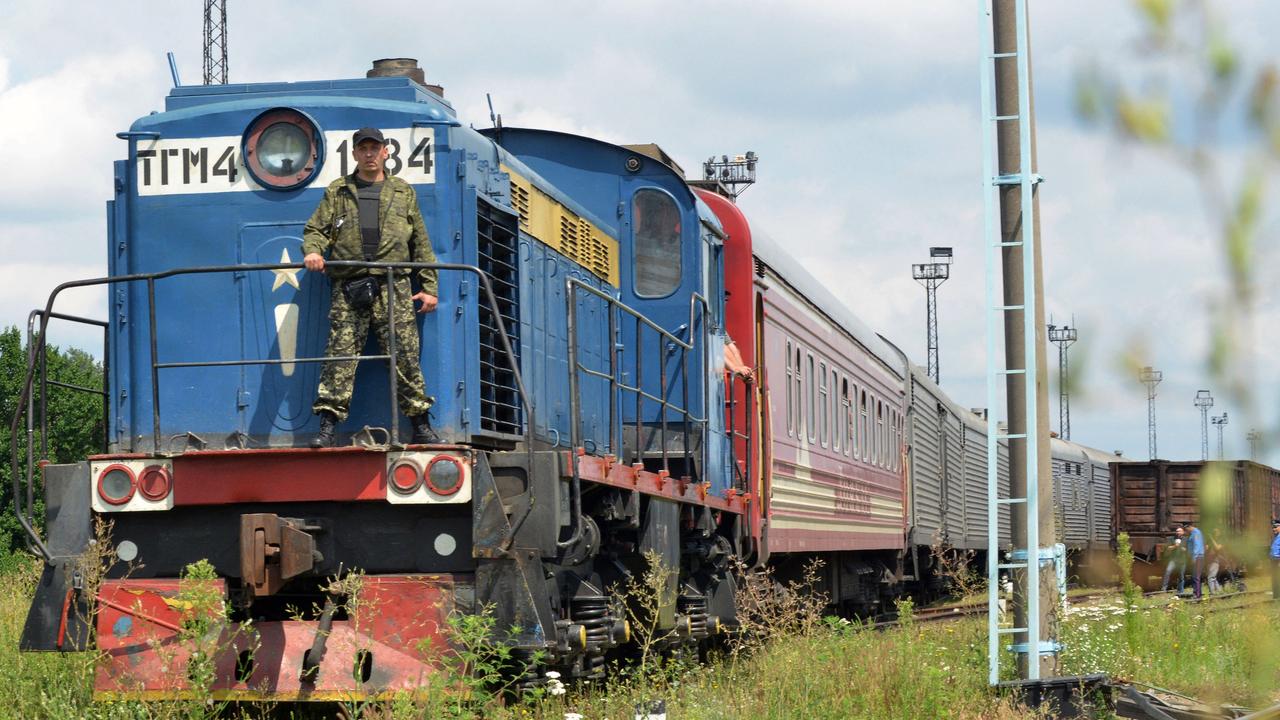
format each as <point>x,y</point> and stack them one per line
<point>372,216</point>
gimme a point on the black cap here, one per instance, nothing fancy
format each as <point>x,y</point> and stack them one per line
<point>368,133</point>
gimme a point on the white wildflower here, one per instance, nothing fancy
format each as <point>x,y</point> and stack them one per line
<point>552,674</point>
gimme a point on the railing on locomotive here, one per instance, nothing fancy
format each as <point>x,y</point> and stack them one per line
<point>36,352</point>
<point>42,359</point>
<point>741,474</point>
<point>698,309</point>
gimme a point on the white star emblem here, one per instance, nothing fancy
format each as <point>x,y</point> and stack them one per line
<point>285,275</point>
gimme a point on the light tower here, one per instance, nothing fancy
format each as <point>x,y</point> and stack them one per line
<point>740,170</point>
<point>931,275</point>
<point>1065,337</point>
<point>1151,378</point>
<point>1220,421</point>
<point>215,42</point>
<point>1254,438</point>
<point>1204,401</point>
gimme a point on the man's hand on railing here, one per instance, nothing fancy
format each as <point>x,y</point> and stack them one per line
<point>314,262</point>
<point>429,302</point>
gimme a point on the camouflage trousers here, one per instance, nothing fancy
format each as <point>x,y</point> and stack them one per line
<point>348,330</point>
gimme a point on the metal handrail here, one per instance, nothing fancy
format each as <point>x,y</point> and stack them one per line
<point>741,476</point>
<point>671,342</point>
<point>45,382</point>
<point>37,349</point>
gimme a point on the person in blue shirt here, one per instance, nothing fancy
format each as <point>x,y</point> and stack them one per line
<point>1195,547</point>
<point>1174,554</point>
<point>1275,560</point>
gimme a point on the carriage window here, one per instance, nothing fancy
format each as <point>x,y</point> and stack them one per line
<point>846,411</point>
<point>823,408</point>
<point>880,436</point>
<point>813,420</point>
<point>837,421</point>
<point>791,426</point>
<point>799,397</point>
<point>895,451</point>
<point>863,445</point>
<point>655,222</point>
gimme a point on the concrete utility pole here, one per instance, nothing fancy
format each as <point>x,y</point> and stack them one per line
<point>1220,422</point>
<point>1064,337</point>
<point>1008,140</point>
<point>1151,378</point>
<point>1254,437</point>
<point>1204,401</point>
<point>931,275</point>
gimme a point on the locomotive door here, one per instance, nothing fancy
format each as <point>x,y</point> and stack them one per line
<point>284,315</point>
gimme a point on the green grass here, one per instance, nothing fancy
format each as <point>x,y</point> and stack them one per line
<point>837,670</point>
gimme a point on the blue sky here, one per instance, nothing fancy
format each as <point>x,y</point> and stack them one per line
<point>865,116</point>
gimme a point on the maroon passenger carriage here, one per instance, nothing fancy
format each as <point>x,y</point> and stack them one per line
<point>832,435</point>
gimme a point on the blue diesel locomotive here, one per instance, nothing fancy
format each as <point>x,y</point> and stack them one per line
<point>576,360</point>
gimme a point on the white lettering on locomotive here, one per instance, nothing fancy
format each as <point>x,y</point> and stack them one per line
<point>183,166</point>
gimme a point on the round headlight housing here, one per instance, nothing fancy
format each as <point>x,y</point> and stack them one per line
<point>116,484</point>
<point>406,477</point>
<point>282,149</point>
<point>444,475</point>
<point>154,483</point>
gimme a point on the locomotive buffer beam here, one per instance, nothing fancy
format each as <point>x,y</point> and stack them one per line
<point>274,550</point>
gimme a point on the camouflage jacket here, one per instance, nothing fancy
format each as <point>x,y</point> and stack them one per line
<point>334,229</point>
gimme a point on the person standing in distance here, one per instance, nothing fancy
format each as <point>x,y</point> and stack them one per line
<point>371,216</point>
<point>1275,560</point>
<point>1195,547</point>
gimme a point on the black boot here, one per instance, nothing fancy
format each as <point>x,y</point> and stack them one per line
<point>324,438</point>
<point>422,432</point>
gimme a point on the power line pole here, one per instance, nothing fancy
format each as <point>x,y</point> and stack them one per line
<point>1064,337</point>
<point>1254,438</point>
<point>1033,529</point>
<point>1204,401</point>
<point>1220,422</point>
<point>215,42</point>
<point>931,275</point>
<point>1151,378</point>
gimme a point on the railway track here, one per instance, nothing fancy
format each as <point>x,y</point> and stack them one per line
<point>960,611</point>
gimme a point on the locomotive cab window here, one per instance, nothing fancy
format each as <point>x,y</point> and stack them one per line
<point>655,222</point>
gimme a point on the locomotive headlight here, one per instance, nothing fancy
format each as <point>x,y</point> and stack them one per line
<point>406,477</point>
<point>116,484</point>
<point>444,475</point>
<point>282,149</point>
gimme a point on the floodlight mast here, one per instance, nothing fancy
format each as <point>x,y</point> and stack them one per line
<point>1204,401</point>
<point>1151,378</point>
<point>735,174</point>
<point>1220,422</point>
<point>931,275</point>
<point>1064,337</point>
